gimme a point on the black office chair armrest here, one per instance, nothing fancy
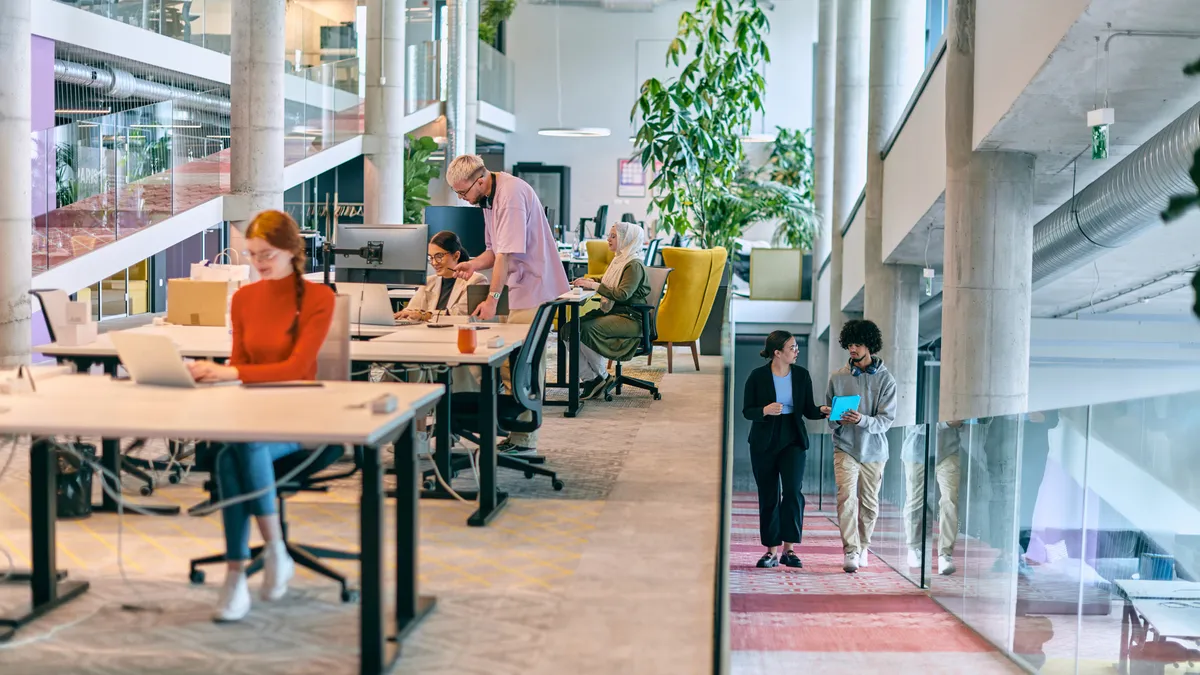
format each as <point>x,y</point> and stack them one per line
<point>648,329</point>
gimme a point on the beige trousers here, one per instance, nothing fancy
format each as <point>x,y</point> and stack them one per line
<point>525,440</point>
<point>946,472</point>
<point>858,486</point>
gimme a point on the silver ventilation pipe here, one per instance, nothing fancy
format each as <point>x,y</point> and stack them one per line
<point>1115,209</point>
<point>121,84</point>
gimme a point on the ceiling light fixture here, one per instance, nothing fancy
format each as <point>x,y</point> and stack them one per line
<point>563,131</point>
<point>82,111</point>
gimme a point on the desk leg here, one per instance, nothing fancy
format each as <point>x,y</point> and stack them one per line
<point>561,367</point>
<point>573,402</point>
<point>110,458</point>
<point>411,607</point>
<point>48,592</point>
<point>372,641</point>
<point>1123,659</point>
<point>490,499</point>
<point>444,439</point>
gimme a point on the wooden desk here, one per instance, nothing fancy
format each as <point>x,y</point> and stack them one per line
<point>567,372</point>
<point>82,405</point>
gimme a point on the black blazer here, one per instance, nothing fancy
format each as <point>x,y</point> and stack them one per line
<point>760,392</point>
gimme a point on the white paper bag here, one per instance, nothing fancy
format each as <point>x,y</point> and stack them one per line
<point>215,271</point>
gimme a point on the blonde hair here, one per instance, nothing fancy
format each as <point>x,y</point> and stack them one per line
<point>464,168</point>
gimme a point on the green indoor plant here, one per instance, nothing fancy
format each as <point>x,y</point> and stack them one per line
<point>418,172</point>
<point>493,13</point>
<point>691,126</point>
<point>790,167</point>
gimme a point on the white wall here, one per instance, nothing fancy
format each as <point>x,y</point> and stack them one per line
<point>605,57</point>
<point>1013,39</point>
<point>914,175</point>
<point>1065,386</point>
<point>854,258</point>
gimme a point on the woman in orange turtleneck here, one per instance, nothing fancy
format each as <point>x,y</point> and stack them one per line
<point>279,324</point>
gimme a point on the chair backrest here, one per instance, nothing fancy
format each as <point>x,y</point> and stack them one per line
<point>54,308</point>
<point>599,256</point>
<point>651,252</point>
<point>657,278</point>
<point>333,361</point>
<point>527,388</point>
<point>628,218</point>
<point>601,220</point>
<point>692,291</point>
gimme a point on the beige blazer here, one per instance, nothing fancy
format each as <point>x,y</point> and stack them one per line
<point>426,298</point>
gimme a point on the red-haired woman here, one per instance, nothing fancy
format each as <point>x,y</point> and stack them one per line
<point>279,324</point>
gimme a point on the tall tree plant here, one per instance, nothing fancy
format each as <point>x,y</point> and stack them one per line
<point>691,126</point>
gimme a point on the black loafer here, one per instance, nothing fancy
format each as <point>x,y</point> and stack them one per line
<point>768,561</point>
<point>790,559</point>
<point>591,388</point>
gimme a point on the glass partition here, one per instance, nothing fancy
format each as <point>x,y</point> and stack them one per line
<point>322,109</point>
<point>497,78</point>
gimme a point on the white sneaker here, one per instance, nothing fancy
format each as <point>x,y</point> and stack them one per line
<point>914,557</point>
<point>945,565</point>
<point>278,570</point>
<point>862,558</point>
<point>234,602</point>
<point>851,563</point>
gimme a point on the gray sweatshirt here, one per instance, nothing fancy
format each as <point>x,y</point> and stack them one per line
<point>866,441</point>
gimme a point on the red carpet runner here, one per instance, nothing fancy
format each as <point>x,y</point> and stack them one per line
<point>821,620</point>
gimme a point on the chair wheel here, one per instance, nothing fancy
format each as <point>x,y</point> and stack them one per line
<point>429,484</point>
<point>349,595</point>
<point>146,490</point>
<point>197,577</point>
<point>174,479</point>
<point>528,475</point>
<point>657,396</point>
<point>557,485</point>
<point>608,398</point>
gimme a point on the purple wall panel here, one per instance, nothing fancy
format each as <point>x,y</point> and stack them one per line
<point>43,83</point>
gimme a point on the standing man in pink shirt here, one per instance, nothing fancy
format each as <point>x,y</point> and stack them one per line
<point>520,252</point>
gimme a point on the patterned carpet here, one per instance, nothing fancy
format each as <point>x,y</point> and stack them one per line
<point>821,620</point>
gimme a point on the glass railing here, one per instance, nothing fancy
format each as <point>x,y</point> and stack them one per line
<point>312,36</point>
<point>497,78</point>
<point>326,112</point>
<point>422,77</point>
<point>101,179</point>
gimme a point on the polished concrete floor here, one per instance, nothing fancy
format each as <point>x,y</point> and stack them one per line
<point>612,575</point>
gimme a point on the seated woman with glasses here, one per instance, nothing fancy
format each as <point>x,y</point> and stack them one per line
<point>442,293</point>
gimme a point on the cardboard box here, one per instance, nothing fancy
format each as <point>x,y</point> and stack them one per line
<point>76,334</point>
<point>198,303</point>
<point>78,313</point>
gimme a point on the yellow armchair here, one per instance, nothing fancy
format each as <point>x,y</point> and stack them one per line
<point>691,291</point>
<point>599,258</point>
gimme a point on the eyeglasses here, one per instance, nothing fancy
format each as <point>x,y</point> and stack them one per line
<point>265,256</point>
<point>462,194</point>
<point>437,257</point>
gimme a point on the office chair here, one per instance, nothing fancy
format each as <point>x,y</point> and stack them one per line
<point>525,397</point>
<point>598,223</point>
<point>333,364</point>
<point>652,252</point>
<point>657,277</point>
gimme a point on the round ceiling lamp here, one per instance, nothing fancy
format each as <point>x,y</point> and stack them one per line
<point>575,132</point>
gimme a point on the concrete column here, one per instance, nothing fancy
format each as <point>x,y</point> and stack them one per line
<point>256,115</point>
<point>462,78</point>
<point>383,168</point>
<point>818,349</point>
<point>988,254</point>
<point>849,148</point>
<point>16,177</point>
<point>892,292</point>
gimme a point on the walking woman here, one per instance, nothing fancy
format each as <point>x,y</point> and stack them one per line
<point>279,325</point>
<point>776,394</point>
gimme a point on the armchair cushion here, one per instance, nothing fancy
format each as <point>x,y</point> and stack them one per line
<point>599,258</point>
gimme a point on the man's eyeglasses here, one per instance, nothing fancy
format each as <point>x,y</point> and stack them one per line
<point>462,194</point>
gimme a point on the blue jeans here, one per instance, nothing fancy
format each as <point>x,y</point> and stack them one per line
<point>244,468</point>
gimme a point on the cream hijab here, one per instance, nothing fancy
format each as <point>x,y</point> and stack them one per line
<point>629,248</point>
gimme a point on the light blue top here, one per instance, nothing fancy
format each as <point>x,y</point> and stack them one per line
<point>783,392</point>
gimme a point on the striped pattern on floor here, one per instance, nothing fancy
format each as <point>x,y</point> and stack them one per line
<point>823,620</point>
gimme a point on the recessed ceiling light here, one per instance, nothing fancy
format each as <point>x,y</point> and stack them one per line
<point>575,132</point>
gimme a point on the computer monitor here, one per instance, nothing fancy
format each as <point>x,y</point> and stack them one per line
<point>405,248</point>
<point>465,221</point>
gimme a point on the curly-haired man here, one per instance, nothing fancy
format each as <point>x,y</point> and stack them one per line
<point>860,437</point>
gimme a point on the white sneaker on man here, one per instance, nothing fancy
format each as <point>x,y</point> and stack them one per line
<point>850,564</point>
<point>278,570</point>
<point>914,557</point>
<point>234,601</point>
<point>862,558</point>
<point>945,565</point>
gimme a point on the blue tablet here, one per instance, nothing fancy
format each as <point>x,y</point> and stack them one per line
<point>841,404</point>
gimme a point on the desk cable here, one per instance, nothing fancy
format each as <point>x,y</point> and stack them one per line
<point>12,565</point>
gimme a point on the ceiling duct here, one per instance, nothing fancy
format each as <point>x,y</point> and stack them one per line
<point>1115,209</point>
<point>120,84</point>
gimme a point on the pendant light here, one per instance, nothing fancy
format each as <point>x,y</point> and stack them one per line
<point>562,131</point>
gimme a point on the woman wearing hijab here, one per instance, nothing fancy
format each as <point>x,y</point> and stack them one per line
<point>614,330</point>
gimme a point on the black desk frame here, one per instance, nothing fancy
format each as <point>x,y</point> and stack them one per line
<point>568,363</point>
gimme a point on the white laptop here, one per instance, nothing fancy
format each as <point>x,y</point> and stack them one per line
<point>369,304</point>
<point>154,359</point>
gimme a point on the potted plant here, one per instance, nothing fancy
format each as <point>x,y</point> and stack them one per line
<point>418,172</point>
<point>494,13</point>
<point>691,128</point>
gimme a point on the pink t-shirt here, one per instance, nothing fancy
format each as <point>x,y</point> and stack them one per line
<point>516,225</point>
